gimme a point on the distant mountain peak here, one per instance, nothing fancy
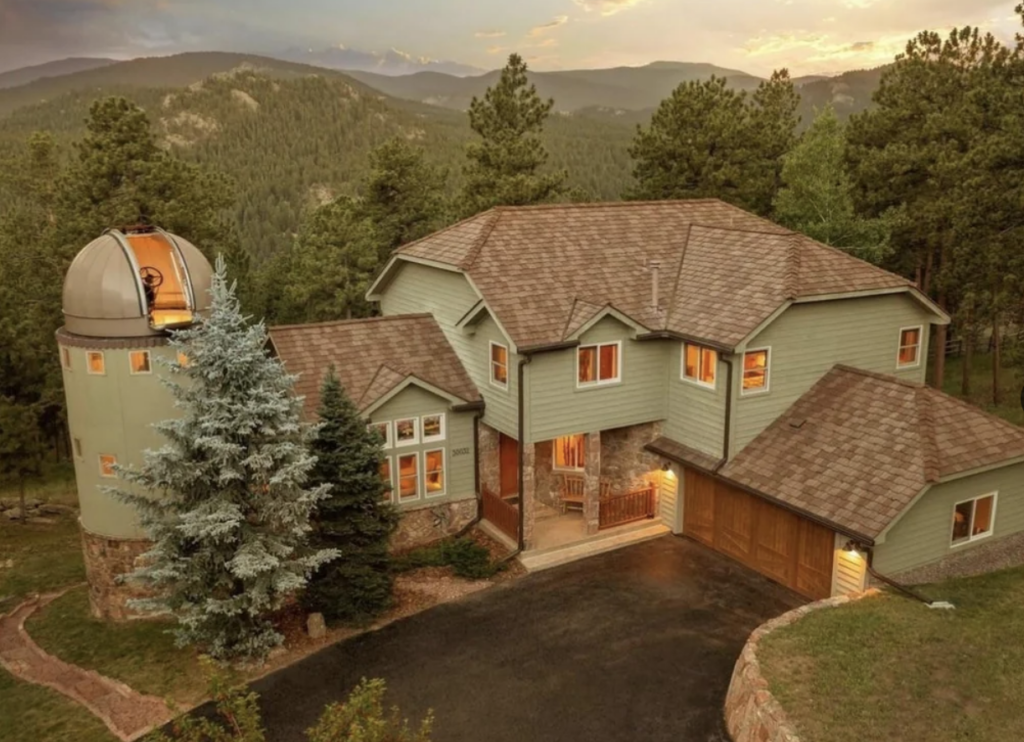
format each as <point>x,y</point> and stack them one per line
<point>392,62</point>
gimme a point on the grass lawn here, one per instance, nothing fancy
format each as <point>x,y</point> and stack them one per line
<point>31,713</point>
<point>890,668</point>
<point>981,386</point>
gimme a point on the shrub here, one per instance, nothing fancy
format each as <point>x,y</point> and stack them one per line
<point>466,557</point>
<point>362,718</point>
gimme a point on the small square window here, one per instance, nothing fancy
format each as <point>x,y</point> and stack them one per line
<point>183,360</point>
<point>107,464</point>
<point>755,371</point>
<point>96,363</point>
<point>910,347</point>
<point>407,432</point>
<point>570,452</point>
<point>408,478</point>
<point>65,358</point>
<point>699,365</point>
<point>973,519</point>
<point>76,444</point>
<point>433,474</point>
<point>385,475</point>
<point>597,364</point>
<point>140,362</point>
<point>499,365</point>
<point>383,430</point>
<point>433,428</point>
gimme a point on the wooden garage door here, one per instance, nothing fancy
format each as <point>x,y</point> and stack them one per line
<point>779,544</point>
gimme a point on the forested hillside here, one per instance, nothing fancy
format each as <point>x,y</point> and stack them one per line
<point>26,75</point>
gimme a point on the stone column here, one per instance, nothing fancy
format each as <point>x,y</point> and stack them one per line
<point>529,487</point>
<point>592,482</point>
<point>487,453</point>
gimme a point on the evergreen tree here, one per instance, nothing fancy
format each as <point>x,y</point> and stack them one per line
<point>226,501</point>
<point>356,518</point>
<point>503,167</point>
<point>21,450</point>
<point>773,120</point>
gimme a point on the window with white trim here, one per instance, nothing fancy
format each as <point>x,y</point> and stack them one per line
<point>408,478</point>
<point>76,444</point>
<point>65,358</point>
<point>755,371</point>
<point>385,475</point>
<point>499,365</point>
<point>96,363</point>
<point>433,472</point>
<point>598,364</point>
<point>973,519</point>
<point>433,427</point>
<point>139,362</point>
<point>383,430</point>
<point>407,431</point>
<point>570,452</point>
<point>107,464</point>
<point>700,364</point>
<point>910,347</point>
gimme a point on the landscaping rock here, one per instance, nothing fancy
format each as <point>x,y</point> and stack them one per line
<point>31,503</point>
<point>315,626</point>
<point>40,521</point>
<point>13,514</point>
<point>53,508</point>
<point>9,564</point>
<point>6,503</point>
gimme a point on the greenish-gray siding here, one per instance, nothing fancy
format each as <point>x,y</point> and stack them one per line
<point>458,444</point>
<point>447,295</point>
<point>696,414</point>
<point>558,407</point>
<point>923,535</point>
<point>809,339</point>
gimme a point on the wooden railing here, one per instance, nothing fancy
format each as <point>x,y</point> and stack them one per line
<point>619,509</point>
<point>504,515</point>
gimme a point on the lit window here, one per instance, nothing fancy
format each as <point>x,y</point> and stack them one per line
<point>408,478</point>
<point>570,452</point>
<point>499,365</point>
<point>183,360</point>
<point>95,362</point>
<point>597,364</point>
<point>433,428</point>
<point>755,370</point>
<point>384,431</point>
<point>139,360</point>
<point>973,519</point>
<point>65,358</point>
<point>76,443</point>
<point>385,474</point>
<point>107,464</point>
<point>407,432</point>
<point>699,364</point>
<point>910,347</point>
<point>433,475</point>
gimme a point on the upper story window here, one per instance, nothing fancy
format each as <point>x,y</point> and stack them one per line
<point>700,364</point>
<point>107,464</point>
<point>755,371</point>
<point>183,360</point>
<point>570,452</point>
<point>76,444</point>
<point>384,431</point>
<point>598,364</point>
<point>139,362</point>
<point>499,365</point>
<point>407,432</point>
<point>433,427</point>
<point>65,358</point>
<point>95,362</point>
<point>973,519</point>
<point>910,347</point>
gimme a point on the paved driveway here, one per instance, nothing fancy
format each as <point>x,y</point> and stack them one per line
<point>636,644</point>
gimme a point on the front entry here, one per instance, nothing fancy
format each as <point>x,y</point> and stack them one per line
<point>508,458</point>
<point>776,542</point>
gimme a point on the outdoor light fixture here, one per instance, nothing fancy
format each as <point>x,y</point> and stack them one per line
<point>852,548</point>
<point>667,469</point>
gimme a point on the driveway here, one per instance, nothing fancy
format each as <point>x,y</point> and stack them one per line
<point>634,644</point>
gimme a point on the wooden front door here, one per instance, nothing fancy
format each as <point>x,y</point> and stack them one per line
<point>776,542</point>
<point>508,460</point>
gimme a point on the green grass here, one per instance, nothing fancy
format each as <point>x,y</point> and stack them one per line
<point>31,713</point>
<point>45,558</point>
<point>981,386</point>
<point>139,653</point>
<point>890,668</point>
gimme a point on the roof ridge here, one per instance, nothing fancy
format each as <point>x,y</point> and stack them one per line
<point>791,276</point>
<point>398,250</point>
<point>373,379</point>
<point>478,246</point>
<point>671,298</point>
<point>617,204</point>
<point>879,376</point>
<point>811,242</point>
<point>783,232</point>
<point>356,321</point>
<point>926,431</point>
<point>1002,422</point>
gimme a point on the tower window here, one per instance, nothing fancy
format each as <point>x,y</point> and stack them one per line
<point>107,464</point>
<point>76,443</point>
<point>96,363</point>
<point>65,358</point>
<point>140,362</point>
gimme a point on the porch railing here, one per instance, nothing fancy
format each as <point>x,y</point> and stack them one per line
<point>501,513</point>
<point>619,509</point>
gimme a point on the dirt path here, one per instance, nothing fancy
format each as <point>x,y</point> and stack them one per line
<point>128,714</point>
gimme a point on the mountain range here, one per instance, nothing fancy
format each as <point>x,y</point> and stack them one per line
<point>391,62</point>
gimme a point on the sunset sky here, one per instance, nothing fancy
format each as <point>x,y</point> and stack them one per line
<point>808,36</point>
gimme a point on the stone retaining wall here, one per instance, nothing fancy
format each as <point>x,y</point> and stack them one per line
<point>751,712</point>
<point>106,560</point>
<point>419,527</point>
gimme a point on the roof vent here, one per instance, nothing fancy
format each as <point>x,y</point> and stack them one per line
<point>797,423</point>
<point>655,267</point>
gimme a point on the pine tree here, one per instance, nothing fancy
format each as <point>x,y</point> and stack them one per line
<point>21,450</point>
<point>504,167</point>
<point>226,501</point>
<point>355,519</point>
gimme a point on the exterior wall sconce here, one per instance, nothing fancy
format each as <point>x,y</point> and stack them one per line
<point>853,549</point>
<point>667,469</point>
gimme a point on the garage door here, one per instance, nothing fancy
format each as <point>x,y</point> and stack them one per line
<point>779,544</point>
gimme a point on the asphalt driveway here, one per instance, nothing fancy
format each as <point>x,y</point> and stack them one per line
<point>636,644</point>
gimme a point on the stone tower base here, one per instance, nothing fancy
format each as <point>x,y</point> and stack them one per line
<point>106,559</point>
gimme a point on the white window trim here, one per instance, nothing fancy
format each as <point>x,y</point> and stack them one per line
<point>416,431</point>
<point>149,363</point>
<point>65,358</point>
<point>88,366</point>
<point>696,381</point>
<point>599,381</point>
<point>767,372</point>
<point>391,478</point>
<point>992,524</point>
<point>554,456</point>
<point>387,431</point>
<point>491,362</point>
<point>398,478</point>
<point>444,474</point>
<point>900,346</point>
<point>433,438</point>
<point>99,461</point>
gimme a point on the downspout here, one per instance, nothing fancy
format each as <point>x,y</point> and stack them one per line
<point>476,477</point>
<point>728,358</point>
<point>906,591</point>
<point>521,376</point>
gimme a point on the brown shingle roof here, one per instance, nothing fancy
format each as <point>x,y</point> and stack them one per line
<point>723,270</point>
<point>372,357</point>
<point>858,447</point>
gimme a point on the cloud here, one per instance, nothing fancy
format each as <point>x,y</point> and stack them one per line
<point>489,34</point>
<point>544,28</point>
<point>496,49</point>
<point>824,47</point>
<point>611,7</point>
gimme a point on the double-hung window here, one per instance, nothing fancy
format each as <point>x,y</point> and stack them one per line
<point>598,364</point>
<point>755,371</point>
<point>499,365</point>
<point>699,364</point>
<point>910,347</point>
<point>408,477</point>
<point>570,452</point>
<point>433,473</point>
<point>385,475</point>
<point>973,519</point>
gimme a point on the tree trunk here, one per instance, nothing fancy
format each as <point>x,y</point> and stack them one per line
<point>21,501</point>
<point>939,348</point>
<point>997,361</point>
<point>968,359</point>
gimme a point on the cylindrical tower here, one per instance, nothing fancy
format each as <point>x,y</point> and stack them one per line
<point>123,293</point>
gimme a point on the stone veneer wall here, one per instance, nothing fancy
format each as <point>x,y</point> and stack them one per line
<point>752,714</point>
<point>422,526</point>
<point>106,559</point>
<point>489,458</point>
<point>975,560</point>
<point>624,462</point>
<point>546,483</point>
